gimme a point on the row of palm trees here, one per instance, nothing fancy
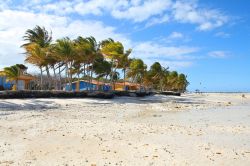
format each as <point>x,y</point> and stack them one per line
<point>86,58</point>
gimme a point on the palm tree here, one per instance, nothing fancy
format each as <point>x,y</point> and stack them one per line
<point>65,50</point>
<point>137,70</point>
<point>82,49</point>
<point>42,38</point>
<point>157,74</point>
<point>54,62</point>
<point>93,53</point>
<point>172,81</point>
<point>36,56</point>
<point>101,67</point>
<point>182,83</point>
<point>124,63</point>
<point>114,51</point>
<point>88,51</point>
<point>38,35</point>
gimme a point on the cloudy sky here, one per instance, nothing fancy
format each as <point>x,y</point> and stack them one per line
<point>208,40</point>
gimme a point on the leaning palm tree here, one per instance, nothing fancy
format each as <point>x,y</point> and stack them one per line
<point>124,63</point>
<point>36,55</point>
<point>38,35</point>
<point>137,70</point>
<point>82,49</point>
<point>42,38</point>
<point>92,53</point>
<point>102,68</point>
<point>65,50</point>
<point>114,51</point>
<point>182,83</point>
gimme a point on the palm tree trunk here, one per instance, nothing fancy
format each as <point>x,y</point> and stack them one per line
<point>70,76</point>
<point>91,78</point>
<point>60,79</point>
<point>113,81</point>
<point>88,77</point>
<point>67,76</point>
<point>84,70</point>
<point>112,73</point>
<point>49,77</point>
<point>55,78</point>
<point>124,79</point>
<point>41,78</point>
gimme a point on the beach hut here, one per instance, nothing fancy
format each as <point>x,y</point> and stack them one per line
<point>23,81</point>
<point>119,86</point>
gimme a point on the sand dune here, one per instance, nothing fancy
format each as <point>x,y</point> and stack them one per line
<point>194,129</point>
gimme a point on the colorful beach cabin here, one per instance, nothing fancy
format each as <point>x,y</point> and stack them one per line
<point>83,85</point>
<point>119,86</point>
<point>23,82</point>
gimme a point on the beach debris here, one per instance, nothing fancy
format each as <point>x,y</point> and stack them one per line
<point>228,103</point>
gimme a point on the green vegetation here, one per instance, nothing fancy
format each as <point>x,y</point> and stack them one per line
<point>86,58</point>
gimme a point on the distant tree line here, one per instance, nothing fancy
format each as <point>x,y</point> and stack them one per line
<point>85,58</point>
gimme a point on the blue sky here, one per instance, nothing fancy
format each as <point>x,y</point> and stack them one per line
<point>208,40</point>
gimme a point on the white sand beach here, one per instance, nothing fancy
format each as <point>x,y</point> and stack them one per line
<point>194,129</point>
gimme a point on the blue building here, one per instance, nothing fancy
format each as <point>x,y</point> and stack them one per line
<point>85,85</point>
<point>5,84</point>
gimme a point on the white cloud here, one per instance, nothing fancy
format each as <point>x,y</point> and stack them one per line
<point>222,35</point>
<point>218,54</point>
<point>149,49</point>
<point>173,57</point>
<point>175,35</point>
<point>173,65</point>
<point>157,20</point>
<point>97,7</point>
<point>150,11</point>
<point>142,12</point>
<point>190,12</point>
<point>59,8</point>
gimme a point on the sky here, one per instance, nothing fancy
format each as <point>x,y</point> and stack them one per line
<point>208,40</point>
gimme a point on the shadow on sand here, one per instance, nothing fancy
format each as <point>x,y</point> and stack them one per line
<point>157,99</point>
<point>29,105</point>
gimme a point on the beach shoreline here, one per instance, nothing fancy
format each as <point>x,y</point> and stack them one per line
<point>193,129</point>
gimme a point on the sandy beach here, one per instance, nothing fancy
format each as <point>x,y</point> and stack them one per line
<point>194,129</point>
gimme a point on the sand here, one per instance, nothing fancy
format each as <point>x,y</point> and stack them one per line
<point>194,129</point>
